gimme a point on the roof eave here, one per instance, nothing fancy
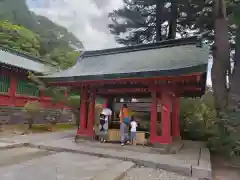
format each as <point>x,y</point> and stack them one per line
<point>194,40</point>
<point>147,74</point>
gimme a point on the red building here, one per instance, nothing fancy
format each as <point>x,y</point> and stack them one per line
<point>163,71</point>
<point>15,87</point>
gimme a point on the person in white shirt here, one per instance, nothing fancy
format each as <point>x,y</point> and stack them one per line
<point>105,117</point>
<point>133,131</point>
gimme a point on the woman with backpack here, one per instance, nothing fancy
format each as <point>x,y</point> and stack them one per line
<point>124,124</point>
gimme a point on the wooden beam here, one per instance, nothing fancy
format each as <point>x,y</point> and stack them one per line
<point>148,90</point>
<point>153,80</point>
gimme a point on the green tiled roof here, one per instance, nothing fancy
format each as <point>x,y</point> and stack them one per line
<point>167,58</point>
<point>23,61</point>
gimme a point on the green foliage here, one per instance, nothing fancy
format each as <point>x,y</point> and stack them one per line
<point>24,31</point>
<point>47,128</point>
<point>233,10</point>
<point>227,125</point>
<point>74,101</point>
<point>196,117</point>
<point>137,19</point>
<point>63,58</point>
<point>199,122</point>
<point>51,35</point>
<point>31,110</point>
<point>23,40</point>
<point>19,38</point>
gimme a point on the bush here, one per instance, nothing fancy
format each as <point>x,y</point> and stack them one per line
<point>31,110</point>
<point>196,117</point>
<point>198,122</point>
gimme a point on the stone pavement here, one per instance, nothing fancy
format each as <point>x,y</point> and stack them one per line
<point>70,166</point>
<point>63,166</point>
<point>194,161</point>
<point>38,137</point>
<point>17,155</point>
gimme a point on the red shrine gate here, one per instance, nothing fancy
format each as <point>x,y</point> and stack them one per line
<point>165,95</point>
<point>163,71</point>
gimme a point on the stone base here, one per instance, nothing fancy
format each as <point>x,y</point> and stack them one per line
<point>172,148</point>
<point>79,138</point>
<point>204,168</point>
<point>161,147</point>
<point>177,138</point>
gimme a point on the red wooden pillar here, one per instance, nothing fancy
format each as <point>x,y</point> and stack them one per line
<point>105,105</point>
<point>166,137</point>
<point>175,117</point>
<point>65,93</point>
<point>91,111</point>
<point>41,92</point>
<point>12,89</point>
<point>83,103</point>
<point>153,120</point>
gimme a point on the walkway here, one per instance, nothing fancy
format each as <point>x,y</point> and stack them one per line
<point>39,137</point>
<point>58,156</point>
<point>194,161</point>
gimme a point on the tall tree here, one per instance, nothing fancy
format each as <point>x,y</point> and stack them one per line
<point>234,92</point>
<point>143,21</point>
<point>139,21</point>
<point>221,56</point>
<point>173,20</point>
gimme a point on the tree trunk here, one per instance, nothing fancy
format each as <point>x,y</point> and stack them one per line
<point>220,56</point>
<point>234,93</point>
<point>173,20</point>
<point>234,101</point>
<point>159,12</point>
<point>76,113</point>
<point>30,123</point>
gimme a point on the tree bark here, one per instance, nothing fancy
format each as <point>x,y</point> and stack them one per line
<point>30,123</point>
<point>159,12</point>
<point>234,93</point>
<point>173,20</point>
<point>220,56</point>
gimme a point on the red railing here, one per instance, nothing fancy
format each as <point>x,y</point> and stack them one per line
<point>12,99</point>
<point>19,101</point>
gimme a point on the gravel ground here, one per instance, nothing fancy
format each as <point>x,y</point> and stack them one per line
<point>143,173</point>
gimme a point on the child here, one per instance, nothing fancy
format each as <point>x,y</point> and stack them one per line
<point>133,131</point>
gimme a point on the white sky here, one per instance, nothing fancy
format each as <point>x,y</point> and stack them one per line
<point>87,19</point>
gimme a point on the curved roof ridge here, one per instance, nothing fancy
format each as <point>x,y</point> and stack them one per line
<point>25,55</point>
<point>161,44</point>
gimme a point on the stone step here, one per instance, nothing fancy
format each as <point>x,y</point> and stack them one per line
<point>115,173</point>
<point>5,144</point>
<point>143,173</point>
<point>21,154</point>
